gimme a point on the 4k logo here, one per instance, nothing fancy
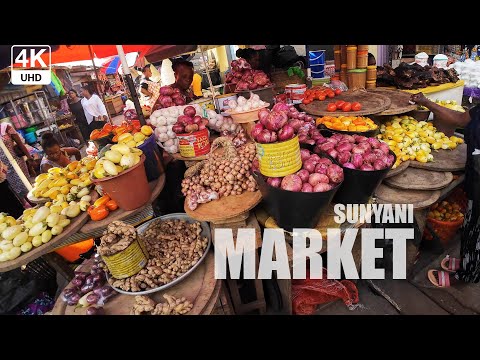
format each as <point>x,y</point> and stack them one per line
<point>31,64</point>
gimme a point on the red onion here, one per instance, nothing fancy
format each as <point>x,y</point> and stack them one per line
<point>178,129</point>
<point>349,138</point>
<point>296,124</point>
<point>327,146</point>
<point>255,165</point>
<point>306,187</point>
<point>77,281</point>
<point>325,161</point>
<point>333,153</point>
<point>281,107</point>
<point>179,101</point>
<point>357,160</point>
<point>335,173</point>
<point>389,160</point>
<point>359,138</point>
<point>374,143</point>
<point>309,165</point>
<point>184,120</point>
<point>176,95</point>
<point>370,158</point>
<point>263,114</point>
<point>257,129</point>
<point>315,158</point>
<point>87,288</point>
<point>276,120</point>
<point>343,157</point>
<point>344,146</point>
<point>333,141</point>
<point>303,174</point>
<point>286,133</point>
<point>315,178</point>
<point>309,118</point>
<point>274,137</point>
<point>358,150</point>
<point>305,154</point>
<point>274,181</point>
<point>202,126</point>
<point>322,187</point>
<point>92,310</point>
<point>291,183</point>
<point>74,299</point>
<point>367,167</point>
<point>321,169</point>
<point>264,137</point>
<point>166,90</point>
<point>321,141</point>
<point>379,165</point>
<point>252,86</point>
<point>364,145</point>
<point>301,116</point>
<point>89,279</point>
<point>378,153</point>
<point>338,137</point>
<point>165,101</point>
<point>261,79</point>
<point>241,86</point>
<point>384,147</point>
<point>349,165</point>
<point>197,119</point>
<point>92,298</point>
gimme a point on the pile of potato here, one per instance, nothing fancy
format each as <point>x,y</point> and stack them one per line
<point>445,211</point>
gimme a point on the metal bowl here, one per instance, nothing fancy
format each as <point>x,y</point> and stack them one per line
<point>182,216</point>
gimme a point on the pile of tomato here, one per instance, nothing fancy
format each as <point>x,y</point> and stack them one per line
<point>320,94</point>
<point>344,106</point>
<point>132,126</point>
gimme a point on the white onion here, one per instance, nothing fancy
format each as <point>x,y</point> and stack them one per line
<point>248,106</point>
<point>172,120</point>
<point>171,134</point>
<point>156,113</point>
<point>241,101</point>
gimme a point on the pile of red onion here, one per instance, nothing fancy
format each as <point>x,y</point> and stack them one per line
<point>318,174</point>
<point>272,127</point>
<point>302,124</point>
<point>245,77</point>
<point>169,97</point>
<point>189,122</point>
<point>357,152</point>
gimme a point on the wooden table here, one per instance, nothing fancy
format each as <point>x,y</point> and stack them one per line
<point>82,228</point>
<point>200,288</point>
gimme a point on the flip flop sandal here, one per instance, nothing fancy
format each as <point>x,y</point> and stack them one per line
<point>441,280</point>
<point>450,264</point>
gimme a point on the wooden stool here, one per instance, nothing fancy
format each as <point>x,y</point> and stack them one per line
<point>233,286</point>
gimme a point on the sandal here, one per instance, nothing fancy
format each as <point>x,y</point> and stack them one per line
<point>450,264</point>
<point>441,280</point>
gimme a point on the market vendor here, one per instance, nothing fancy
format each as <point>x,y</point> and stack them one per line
<point>55,156</point>
<point>467,268</point>
<point>147,74</point>
<point>183,71</point>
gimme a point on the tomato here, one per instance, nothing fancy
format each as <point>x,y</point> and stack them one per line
<point>306,101</point>
<point>330,94</point>
<point>331,107</point>
<point>321,97</point>
<point>339,104</point>
<point>338,91</point>
<point>356,106</point>
<point>111,205</point>
<point>347,107</point>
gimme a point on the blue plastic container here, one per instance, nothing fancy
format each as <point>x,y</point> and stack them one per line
<point>30,137</point>
<point>316,57</point>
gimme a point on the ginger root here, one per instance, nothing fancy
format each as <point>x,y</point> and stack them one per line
<point>173,306</point>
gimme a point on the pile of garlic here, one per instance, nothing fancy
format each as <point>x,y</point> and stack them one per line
<point>243,104</point>
<point>468,71</point>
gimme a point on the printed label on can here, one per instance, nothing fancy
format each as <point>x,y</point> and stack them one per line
<point>195,144</point>
<point>279,159</point>
<point>127,262</point>
<point>296,92</point>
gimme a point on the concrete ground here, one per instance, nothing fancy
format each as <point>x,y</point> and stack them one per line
<point>414,296</point>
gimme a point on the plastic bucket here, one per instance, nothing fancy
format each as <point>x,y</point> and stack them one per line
<point>316,57</point>
<point>358,186</point>
<point>127,262</point>
<point>30,137</point>
<point>279,159</point>
<point>294,209</point>
<point>130,188</point>
<point>153,162</point>
<point>194,144</point>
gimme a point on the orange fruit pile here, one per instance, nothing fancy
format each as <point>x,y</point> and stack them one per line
<point>347,123</point>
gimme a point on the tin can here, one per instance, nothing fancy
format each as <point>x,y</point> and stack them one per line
<point>127,262</point>
<point>295,92</point>
<point>194,144</point>
<point>279,159</point>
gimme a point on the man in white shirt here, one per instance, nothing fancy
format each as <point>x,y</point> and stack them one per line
<point>95,108</point>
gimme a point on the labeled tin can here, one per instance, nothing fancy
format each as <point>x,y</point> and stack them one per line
<point>295,92</point>
<point>279,159</point>
<point>194,144</point>
<point>127,262</point>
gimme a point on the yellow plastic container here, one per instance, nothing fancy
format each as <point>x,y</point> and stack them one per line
<point>279,159</point>
<point>128,262</point>
<point>371,84</point>
<point>372,73</point>
<point>351,57</point>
